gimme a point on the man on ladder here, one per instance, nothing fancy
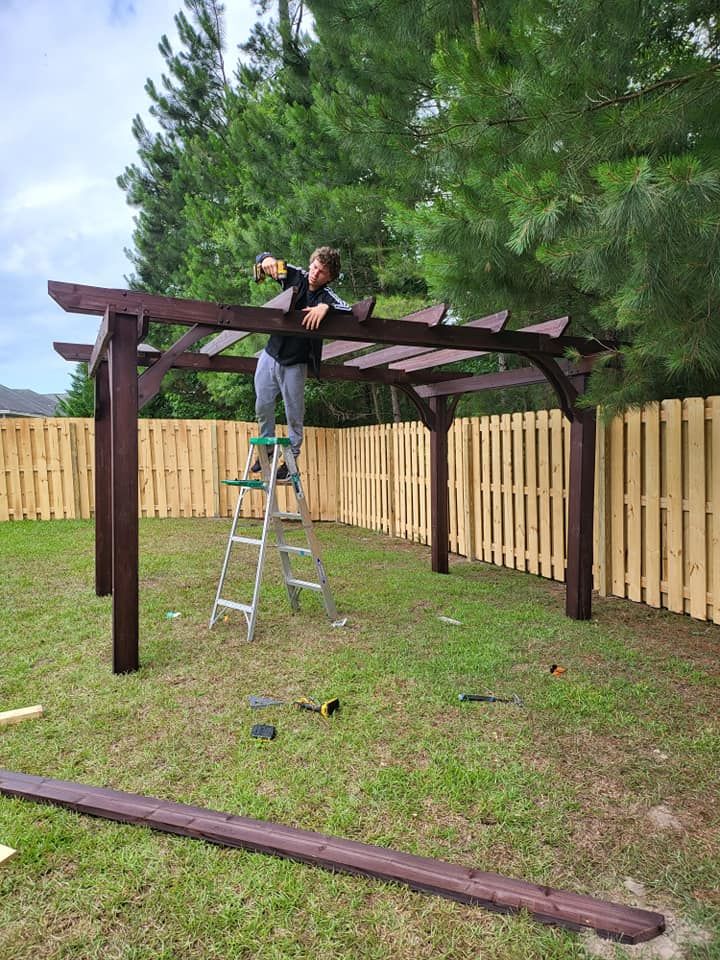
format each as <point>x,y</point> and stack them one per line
<point>282,366</point>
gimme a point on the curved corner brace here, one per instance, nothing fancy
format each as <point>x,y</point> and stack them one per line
<point>559,381</point>
<point>423,408</point>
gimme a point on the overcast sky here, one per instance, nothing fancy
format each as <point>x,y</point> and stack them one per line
<point>72,74</point>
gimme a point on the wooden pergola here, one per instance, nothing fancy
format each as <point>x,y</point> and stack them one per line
<point>406,353</point>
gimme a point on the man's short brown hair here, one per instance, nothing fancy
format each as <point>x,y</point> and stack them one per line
<point>329,257</point>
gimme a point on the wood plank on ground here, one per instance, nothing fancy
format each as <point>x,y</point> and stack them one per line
<point>465,884</point>
<point>23,713</point>
<point>6,852</point>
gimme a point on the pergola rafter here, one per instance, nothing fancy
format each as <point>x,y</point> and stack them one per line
<point>409,354</point>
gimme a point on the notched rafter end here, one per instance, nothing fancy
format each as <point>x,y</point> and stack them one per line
<point>363,309</point>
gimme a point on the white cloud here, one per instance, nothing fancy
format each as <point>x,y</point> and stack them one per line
<point>72,76</point>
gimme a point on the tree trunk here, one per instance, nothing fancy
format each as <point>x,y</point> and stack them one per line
<point>395,400</point>
<point>375,390</point>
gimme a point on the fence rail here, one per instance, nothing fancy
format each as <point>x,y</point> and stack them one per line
<point>657,488</point>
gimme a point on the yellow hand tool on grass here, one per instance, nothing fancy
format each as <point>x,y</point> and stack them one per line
<point>325,709</point>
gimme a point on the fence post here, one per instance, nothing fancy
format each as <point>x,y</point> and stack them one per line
<point>124,471</point>
<point>439,508</point>
<point>103,480</point>
<point>578,578</point>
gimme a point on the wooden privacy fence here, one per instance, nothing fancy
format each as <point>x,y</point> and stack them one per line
<point>47,466</point>
<point>657,482</point>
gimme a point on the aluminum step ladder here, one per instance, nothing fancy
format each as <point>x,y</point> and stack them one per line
<point>273,521</point>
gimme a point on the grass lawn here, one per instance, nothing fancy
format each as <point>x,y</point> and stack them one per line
<point>605,782</point>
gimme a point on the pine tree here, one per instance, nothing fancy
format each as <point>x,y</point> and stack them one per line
<point>79,401</point>
<point>579,161</point>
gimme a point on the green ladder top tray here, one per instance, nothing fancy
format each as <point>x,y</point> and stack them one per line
<point>257,484</point>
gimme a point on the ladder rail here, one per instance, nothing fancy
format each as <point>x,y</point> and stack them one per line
<point>312,539</point>
<point>236,517</point>
<point>269,472</point>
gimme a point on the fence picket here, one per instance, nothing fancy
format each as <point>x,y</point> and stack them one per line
<point>697,510</point>
<point>617,506</point>
<point>557,504</point>
<point>714,488</point>
<point>519,490</point>
<point>634,511</point>
<point>674,500</point>
<point>507,491</point>
<point>651,537</point>
<point>544,491</point>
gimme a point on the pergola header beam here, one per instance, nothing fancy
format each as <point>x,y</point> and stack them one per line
<point>76,298</point>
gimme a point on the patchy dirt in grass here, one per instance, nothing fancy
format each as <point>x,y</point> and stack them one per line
<point>679,938</point>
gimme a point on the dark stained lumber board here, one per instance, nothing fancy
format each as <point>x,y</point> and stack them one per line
<point>431,316</point>
<point>465,884</point>
<point>549,328</point>
<point>77,298</point>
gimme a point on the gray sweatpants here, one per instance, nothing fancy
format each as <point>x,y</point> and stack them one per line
<point>271,379</point>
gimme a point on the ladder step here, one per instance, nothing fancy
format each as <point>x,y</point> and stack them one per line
<point>251,540</point>
<point>300,551</point>
<point>305,584</point>
<point>280,515</point>
<point>245,607</point>
<point>253,484</point>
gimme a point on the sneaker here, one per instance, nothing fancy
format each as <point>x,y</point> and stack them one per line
<point>256,467</point>
<point>283,472</point>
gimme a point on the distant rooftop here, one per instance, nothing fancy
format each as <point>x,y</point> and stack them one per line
<point>27,403</point>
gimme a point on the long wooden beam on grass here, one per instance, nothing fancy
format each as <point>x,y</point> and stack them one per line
<point>466,884</point>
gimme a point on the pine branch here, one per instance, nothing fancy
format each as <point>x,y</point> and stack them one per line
<point>667,85</point>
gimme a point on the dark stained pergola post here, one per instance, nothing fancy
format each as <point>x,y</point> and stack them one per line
<point>103,499</point>
<point>579,570</point>
<point>439,510</point>
<point>124,470</point>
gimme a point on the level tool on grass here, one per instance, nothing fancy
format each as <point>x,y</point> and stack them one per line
<point>273,522</point>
